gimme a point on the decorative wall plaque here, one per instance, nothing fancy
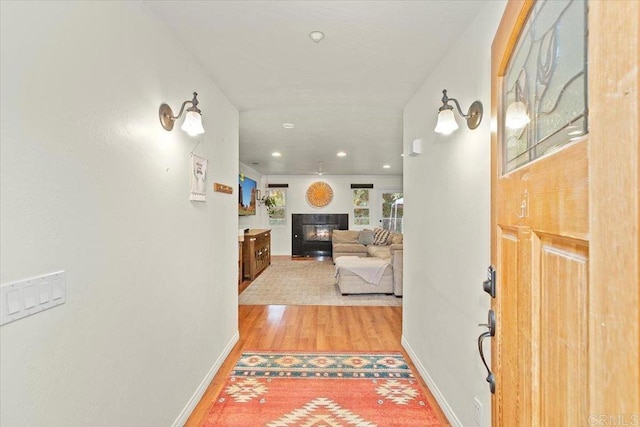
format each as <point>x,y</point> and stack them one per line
<point>319,194</point>
<point>222,188</point>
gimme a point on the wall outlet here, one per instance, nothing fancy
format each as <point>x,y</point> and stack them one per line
<point>477,412</point>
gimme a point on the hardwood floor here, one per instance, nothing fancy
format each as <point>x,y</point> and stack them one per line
<point>311,328</point>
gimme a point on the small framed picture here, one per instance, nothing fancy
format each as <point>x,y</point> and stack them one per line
<point>198,178</point>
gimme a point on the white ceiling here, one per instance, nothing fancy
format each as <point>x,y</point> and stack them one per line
<point>345,93</point>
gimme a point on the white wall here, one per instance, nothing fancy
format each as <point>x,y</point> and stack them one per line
<point>91,184</point>
<point>342,201</point>
<point>447,227</point>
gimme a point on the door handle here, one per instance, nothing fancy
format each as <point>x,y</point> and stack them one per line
<point>490,378</point>
<point>491,325</point>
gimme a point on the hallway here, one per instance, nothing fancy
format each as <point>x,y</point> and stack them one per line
<point>93,185</point>
<point>311,328</point>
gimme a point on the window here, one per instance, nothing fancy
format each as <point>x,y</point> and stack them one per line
<point>392,210</point>
<point>361,211</point>
<point>278,213</point>
<point>547,75</point>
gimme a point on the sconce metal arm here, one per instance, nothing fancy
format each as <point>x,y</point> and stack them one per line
<point>446,106</point>
<point>166,114</point>
<point>473,116</point>
<point>195,108</point>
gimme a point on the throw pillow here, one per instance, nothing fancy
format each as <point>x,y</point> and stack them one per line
<point>395,238</point>
<point>344,236</point>
<point>366,237</point>
<point>380,236</point>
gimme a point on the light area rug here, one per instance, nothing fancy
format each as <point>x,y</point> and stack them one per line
<point>293,282</point>
<point>321,389</point>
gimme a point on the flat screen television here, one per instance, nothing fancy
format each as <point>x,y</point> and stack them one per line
<point>247,189</point>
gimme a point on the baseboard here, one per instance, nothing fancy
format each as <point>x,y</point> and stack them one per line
<point>444,405</point>
<point>197,395</point>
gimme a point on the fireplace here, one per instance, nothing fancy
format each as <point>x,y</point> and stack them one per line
<point>318,233</point>
<point>311,233</point>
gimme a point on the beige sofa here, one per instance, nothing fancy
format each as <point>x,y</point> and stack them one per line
<point>347,243</point>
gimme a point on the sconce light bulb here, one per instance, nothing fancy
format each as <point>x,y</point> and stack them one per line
<point>193,123</point>
<point>446,122</point>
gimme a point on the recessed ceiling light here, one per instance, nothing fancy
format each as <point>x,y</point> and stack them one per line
<point>401,154</point>
<point>316,36</point>
<point>288,125</point>
<point>387,166</point>
<point>341,154</point>
<point>276,154</point>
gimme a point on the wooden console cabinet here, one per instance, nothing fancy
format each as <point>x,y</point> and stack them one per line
<point>256,252</point>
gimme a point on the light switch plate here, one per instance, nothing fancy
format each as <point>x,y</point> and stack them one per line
<point>30,296</point>
<point>13,301</point>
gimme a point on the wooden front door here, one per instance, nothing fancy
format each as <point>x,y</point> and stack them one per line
<point>565,216</point>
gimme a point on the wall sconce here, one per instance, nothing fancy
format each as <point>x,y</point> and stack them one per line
<point>446,120</point>
<point>192,121</point>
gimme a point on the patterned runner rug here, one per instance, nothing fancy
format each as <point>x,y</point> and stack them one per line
<point>321,389</point>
